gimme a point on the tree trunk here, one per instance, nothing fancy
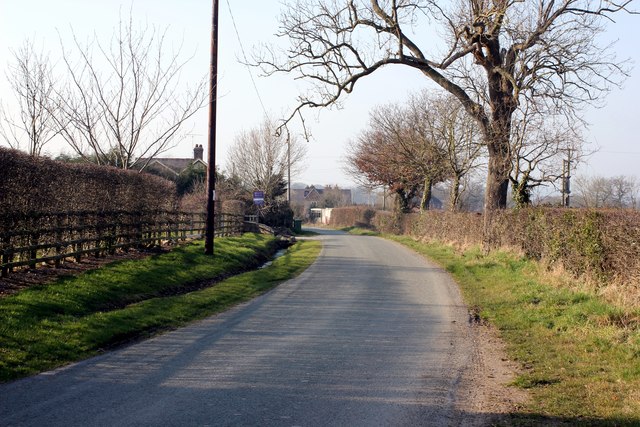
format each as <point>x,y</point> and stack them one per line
<point>426,194</point>
<point>404,198</point>
<point>521,193</point>
<point>454,194</point>
<point>497,185</point>
<point>401,202</point>
<point>497,181</point>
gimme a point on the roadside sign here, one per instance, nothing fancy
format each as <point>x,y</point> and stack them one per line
<point>258,198</point>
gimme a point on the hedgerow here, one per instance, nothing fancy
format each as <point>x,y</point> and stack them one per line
<point>600,245</point>
<point>41,185</point>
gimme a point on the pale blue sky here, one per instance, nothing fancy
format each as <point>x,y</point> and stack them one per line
<point>614,128</point>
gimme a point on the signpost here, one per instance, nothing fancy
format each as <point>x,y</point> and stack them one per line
<point>258,198</point>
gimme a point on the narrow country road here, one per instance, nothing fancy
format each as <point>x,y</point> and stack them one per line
<point>370,335</point>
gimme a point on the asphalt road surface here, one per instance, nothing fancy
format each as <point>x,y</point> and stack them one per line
<point>370,335</point>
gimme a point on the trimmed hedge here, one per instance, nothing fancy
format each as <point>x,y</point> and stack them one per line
<point>41,185</point>
<point>601,244</point>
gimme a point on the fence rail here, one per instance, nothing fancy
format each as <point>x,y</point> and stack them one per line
<point>30,239</point>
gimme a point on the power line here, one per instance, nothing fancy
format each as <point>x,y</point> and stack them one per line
<point>244,56</point>
<point>617,152</point>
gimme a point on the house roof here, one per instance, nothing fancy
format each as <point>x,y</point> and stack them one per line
<point>313,194</point>
<point>301,195</point>
<point>171,165</point>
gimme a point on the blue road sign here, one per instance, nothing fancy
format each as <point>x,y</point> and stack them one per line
<point>258,198</point>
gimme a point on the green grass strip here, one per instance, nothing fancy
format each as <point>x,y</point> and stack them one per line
<point>580,355</point>
<point>74,318</point>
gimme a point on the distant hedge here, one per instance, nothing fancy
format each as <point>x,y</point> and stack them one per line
<point>42,185</point>
<point>601,244</point>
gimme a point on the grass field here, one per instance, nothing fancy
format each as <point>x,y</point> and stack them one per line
<point>76,317</point>
<point>580,356</point>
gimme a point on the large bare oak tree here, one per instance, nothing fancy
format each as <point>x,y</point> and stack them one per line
<point>489,54</point>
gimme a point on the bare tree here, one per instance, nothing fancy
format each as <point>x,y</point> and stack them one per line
<point>259,158</point>
<point>625,191</point>
<point>488,54</point>
<point>410,135</point>
<point>372,160</point>
<point>126,97</point>
<point>397,151</point>
<point>599,192</point>
<point>333,197</point>
<point>447,126</point>
<point>30,77</point>
<point>539,145</point>
<point>423,142</point>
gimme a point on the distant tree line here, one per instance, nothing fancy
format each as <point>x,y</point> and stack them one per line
<point>602,192</point>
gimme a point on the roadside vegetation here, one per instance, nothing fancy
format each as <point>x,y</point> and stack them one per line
<point>580,355</point>
<point>77,317</point>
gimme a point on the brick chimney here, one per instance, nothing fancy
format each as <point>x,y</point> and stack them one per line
<point>198,152</point>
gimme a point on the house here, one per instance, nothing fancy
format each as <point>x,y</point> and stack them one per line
<point>309,196</point>
<point>312,197</point>
<point>172,167</point>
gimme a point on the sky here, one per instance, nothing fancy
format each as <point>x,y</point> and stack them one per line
<point>614,129</point>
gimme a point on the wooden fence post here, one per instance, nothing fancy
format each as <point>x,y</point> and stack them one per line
<point>7,255</point>
<point>112,220</point>
<point>138,228</point>
<point>34,238</point>
<point>98,234</point>
<point>80,222</point>
<point>59,237</point>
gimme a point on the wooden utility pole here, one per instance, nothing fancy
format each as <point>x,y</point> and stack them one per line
<point>211,164</point>
<point>288,167</point>
<point>566,180</point>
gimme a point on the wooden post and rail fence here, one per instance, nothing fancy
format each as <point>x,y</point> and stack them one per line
<point>36,238</point>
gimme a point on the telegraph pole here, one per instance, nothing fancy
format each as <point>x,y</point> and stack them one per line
<point>566,180</point>
<point>211,163</point>
<point>288,167</point>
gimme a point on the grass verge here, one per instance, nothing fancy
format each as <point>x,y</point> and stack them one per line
<point>76,317</point>
<point>580,356</point>
<point>358,231</point>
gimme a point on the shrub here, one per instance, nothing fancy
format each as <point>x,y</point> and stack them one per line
<point>277,214</point>
<point>42,185</point>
